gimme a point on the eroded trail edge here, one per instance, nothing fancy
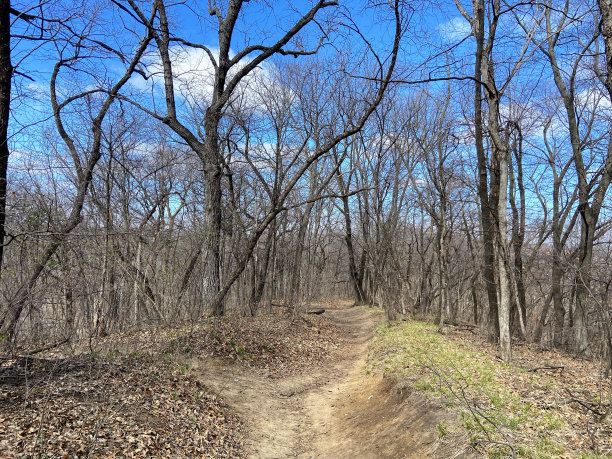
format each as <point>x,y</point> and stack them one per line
<point>333,409</point>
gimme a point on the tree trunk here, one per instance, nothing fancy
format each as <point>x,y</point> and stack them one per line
<point>6,74</point>
<point>518,226</point>
<point>263,271</point>
<point>557,292</point>
<point>502,260</point>
<point>211,247</point>
<point>583,283</point>
<point>442,272</point>
<point>474,276</point>
<point>356,275</point>
<point>487,204</point>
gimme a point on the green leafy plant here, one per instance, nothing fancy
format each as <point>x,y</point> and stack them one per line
<point>240,350</point>
<point>111,355</point>
<point>442,430</point>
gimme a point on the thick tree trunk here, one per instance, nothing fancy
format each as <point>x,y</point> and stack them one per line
<point>487,204</point>
<point>583,283</point>
<point>6,74</point>
<point>211,246</point>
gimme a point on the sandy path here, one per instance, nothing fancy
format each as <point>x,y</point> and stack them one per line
<point>335,410</point>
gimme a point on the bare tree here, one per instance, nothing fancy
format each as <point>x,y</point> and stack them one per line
<point>591,192</point>
<point>71,52</point>
<point>205,142</point>
<point>6,76</point>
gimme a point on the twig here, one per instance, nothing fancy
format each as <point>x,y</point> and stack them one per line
<point>475,411</point>
<point>28,354</point>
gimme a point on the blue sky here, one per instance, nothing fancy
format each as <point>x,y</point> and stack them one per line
<point>433,28</point>
<point>259,21</point>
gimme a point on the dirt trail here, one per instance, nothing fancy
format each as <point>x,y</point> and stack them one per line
<point>336,410</point>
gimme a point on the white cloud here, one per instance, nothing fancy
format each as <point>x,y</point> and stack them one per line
<point>18,156</point>
<point>455,29</point>
<point>593,99</point>
<point>193,73</point>
<point>139,83</point>
<point>194,77</point>
<point>37,89</point>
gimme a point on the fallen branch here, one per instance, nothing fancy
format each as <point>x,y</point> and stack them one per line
<point>585,404</point>
<point>547,367</point>
<point>48,347</point>
<point>468,329</point>
<point>460,324</point>
<point>32,352</point>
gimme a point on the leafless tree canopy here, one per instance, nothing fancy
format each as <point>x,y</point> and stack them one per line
<point>165,161</point>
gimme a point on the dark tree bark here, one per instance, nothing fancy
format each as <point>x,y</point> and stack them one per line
<point>260,284</point>
<point>488,204</point>
<point>519,314</point>
<point>6,75</point>
<point>560,234</point>
<point>474,276</point>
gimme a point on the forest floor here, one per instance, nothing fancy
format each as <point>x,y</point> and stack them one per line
<point>271,386</point>
<point>545,404</point>
<point>332,408</point>
<point>340,384</point>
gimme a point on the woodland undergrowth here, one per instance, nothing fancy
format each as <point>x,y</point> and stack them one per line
<point>545,404</point>
<point>134,394</point>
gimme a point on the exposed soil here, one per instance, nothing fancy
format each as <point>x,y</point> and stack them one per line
<point>265,387</point>
<point>333,408</point>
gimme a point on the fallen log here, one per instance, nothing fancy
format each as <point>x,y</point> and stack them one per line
<point>547,367</point>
